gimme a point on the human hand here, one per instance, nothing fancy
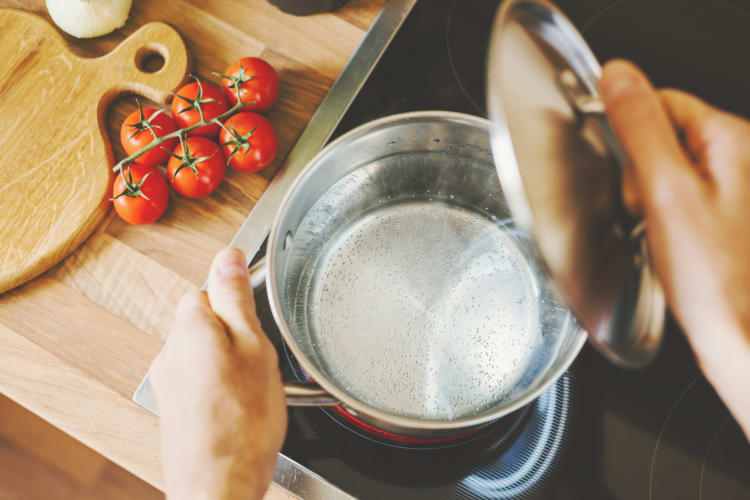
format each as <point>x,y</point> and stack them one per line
<point>221,402</point>
<point>690,175</point>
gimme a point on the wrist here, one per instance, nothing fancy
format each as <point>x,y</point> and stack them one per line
<point>723,355</point>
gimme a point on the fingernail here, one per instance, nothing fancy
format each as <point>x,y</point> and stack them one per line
<point>618,78</point>
<point>231,262</point>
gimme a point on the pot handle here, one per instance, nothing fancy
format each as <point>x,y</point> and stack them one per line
<point>297,393</point>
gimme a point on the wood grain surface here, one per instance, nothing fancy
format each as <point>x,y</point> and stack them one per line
<point>39,461</point>
<point>76,341</point>
<point>55,182</point>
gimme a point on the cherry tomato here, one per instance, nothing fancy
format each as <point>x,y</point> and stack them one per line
<point>136,135</point>
<point>258,81</point>
<point>196,168</point>
<point>185,110</point>
<point>248,141</point>
<point>140,194</point>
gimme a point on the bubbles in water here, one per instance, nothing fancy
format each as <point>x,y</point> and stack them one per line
<point>424,309</point>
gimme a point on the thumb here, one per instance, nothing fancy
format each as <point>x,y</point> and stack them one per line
<point>661,167</point>
<point>231,297</point>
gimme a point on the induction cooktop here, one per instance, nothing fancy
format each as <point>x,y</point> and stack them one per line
<point>600,432</point>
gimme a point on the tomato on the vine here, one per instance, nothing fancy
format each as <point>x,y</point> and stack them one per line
<point>141,127</point>
<point>196,168</point>
<point>185,107</point>
<point>140,194</point>
<point>248,141</point>
<point>257,80</point>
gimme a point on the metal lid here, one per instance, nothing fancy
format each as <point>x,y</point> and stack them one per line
<point>560,166</point>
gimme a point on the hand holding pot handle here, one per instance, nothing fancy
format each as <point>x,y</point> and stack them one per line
<point>689,174</point>
<point>219,391</point>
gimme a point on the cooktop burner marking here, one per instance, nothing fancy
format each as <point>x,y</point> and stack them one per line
<point>532,469</point>
<point>708,451</point>
<point>733,8</point>
<point>601,13</point>
<point>661,433</point>
<point>450,59</point>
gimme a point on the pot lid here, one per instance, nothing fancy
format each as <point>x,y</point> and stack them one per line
<point>560,166</point>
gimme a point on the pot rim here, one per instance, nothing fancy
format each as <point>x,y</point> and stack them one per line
<point>362,409</point>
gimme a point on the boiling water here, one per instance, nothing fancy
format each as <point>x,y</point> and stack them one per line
<point>424,309</point>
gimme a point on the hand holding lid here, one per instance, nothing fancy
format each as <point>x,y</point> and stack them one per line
<point>561,168</point>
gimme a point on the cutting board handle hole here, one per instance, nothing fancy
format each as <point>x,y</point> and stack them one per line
<point>149,59</point>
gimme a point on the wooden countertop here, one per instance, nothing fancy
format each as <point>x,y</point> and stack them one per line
<point>76,341</point>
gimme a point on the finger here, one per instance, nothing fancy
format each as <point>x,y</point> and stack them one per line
<point>662,169</point>
<point>231,297</point>
<point>197,325</point>
<point>689,115</point>
<point>711,135</point>
<point>194,312</point>
<point>195,329</point>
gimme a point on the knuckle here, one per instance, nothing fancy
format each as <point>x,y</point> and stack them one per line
<point>258,347</point>
<point>634,119</point>
<point>671,94</point>
<point>717,128</point>
<point>191,301</point>
<point>197,335</point>
<point>716,136</point>
<point>270,352</point>
<point>636,112</point>
<point>663,192</point>
<point>193,313</point>
<point>251,347</point>
<point>668,91</point>
<point>229,297</point>
<point>716,123</point>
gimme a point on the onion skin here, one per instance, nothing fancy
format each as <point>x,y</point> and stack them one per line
<point>88,18</point>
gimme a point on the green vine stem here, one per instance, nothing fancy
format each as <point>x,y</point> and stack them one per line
<point>143,122</point>
<point>132,189</point>
<point>180,133</point>
<point>239,141</point>
<point>187,160</point>
<point>237,81</point>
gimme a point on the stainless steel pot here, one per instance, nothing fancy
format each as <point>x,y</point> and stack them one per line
<point>399,282</point>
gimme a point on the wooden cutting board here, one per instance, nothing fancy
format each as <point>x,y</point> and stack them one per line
<point>56,159</point>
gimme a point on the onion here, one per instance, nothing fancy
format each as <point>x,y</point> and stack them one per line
<point>89,18</point>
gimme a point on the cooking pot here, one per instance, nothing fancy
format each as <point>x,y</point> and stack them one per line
<point>399,279</point>
<point>411,205</point>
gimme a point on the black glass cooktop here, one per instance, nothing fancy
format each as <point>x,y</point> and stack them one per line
<point>600,432</point>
